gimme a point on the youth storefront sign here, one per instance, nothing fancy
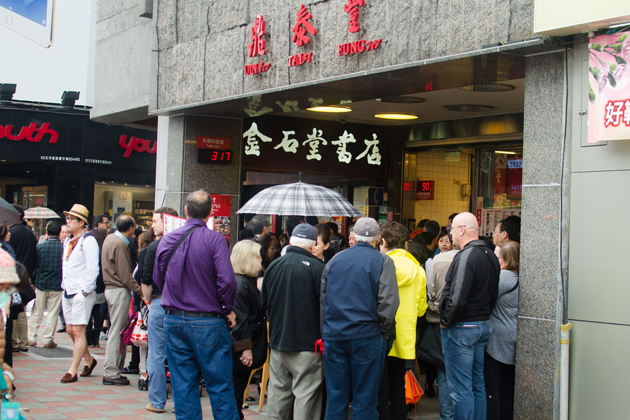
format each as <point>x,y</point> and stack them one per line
<point>309,146</point>
<point>609,88</point>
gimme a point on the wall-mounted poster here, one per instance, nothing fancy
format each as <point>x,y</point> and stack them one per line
<point>609,88</point>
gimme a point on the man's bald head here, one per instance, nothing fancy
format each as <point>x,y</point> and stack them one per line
<point>464,229</point>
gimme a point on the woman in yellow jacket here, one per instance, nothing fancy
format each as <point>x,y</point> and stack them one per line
<point>412,289</point>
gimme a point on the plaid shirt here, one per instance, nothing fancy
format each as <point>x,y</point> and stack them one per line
<point>49,259</point>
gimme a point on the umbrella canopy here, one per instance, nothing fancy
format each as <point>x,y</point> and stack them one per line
<point>40,213</point>
<point>300,199</point>
<point>8,213</point>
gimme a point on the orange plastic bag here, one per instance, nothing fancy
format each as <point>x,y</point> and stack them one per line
<point>413,392</point>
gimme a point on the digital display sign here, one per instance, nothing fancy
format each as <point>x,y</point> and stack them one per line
<point>425,190</point>
<point>214,156</point>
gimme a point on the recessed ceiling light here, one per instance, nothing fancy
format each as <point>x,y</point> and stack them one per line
<point>468,108</point>
<point>500,152</point>
<point>488,87</point>
<point>396,116</point>
<point>402,100</point>
<point>330,109</point>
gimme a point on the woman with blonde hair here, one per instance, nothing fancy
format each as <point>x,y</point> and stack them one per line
<point>501,351</point>
<point>249,335</point>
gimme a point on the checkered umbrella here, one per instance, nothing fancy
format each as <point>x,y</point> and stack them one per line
<point>40,213</point>
<point>300,199</point>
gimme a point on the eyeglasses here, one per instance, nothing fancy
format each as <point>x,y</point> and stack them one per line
<point>452,228</point>
<point>71,218</point>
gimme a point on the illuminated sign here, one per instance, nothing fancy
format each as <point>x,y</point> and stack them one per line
<point>28,132</point>
<point>214,156</point>
<point>136,144</point>
<point>425,190</point>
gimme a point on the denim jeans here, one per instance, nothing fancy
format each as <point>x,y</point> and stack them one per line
<point>464,345</point>
<point>156,361</point>
<point>354,369</point>
<point>446,403</point>
<point>198,346</point>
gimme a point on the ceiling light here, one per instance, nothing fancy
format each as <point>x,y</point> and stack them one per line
<point>396,116</point>
<point>401,100</point>
<point>488,87</point>
<point>330,109</point>
<point>499,152</point>
<point>468,108</point>
<point>618,25</point>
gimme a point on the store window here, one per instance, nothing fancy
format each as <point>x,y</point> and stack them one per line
<point>500,186</point>
<point>115,200</point>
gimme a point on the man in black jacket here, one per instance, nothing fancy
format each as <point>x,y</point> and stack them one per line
<point>468,298</point>
<point>290,296</point>
<point>25,245</point>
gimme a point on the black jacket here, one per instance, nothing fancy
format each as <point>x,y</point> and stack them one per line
<point>290,296</point>
<point>25,245</point>
<point>472,285</point>
<point>147,268</point>
<point>250,316</point>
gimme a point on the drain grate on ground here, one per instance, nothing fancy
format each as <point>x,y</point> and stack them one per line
<point>59,352</point>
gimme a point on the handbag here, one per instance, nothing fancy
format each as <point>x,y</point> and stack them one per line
<point>125,333</point>
<point>413,392</point>
<point>139,335</point>
<point>430,349</point>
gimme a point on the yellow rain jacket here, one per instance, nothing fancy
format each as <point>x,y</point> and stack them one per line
<point>412,289</point>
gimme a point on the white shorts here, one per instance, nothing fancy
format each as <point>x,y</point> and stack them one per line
<point>78,309</point>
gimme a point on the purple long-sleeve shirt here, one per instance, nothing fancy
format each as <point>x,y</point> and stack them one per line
<point>200,277</point>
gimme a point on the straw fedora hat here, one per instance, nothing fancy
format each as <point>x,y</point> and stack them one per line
<point>78,211</point>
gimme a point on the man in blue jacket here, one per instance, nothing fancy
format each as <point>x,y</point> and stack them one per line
<point>359,300</point>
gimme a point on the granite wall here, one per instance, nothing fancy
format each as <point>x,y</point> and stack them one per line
<point>540,293</point>
<point>201,47</point>
<point>122,62</point>
<point>179,173</point>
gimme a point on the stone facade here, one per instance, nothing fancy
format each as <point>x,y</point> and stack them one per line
<point>202,46</point>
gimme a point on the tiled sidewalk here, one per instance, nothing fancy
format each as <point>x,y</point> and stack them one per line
<point>39,390</point>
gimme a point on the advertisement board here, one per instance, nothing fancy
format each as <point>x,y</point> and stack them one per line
<point>609,88</point>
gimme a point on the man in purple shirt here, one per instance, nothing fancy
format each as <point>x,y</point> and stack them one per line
<point>193,269</point>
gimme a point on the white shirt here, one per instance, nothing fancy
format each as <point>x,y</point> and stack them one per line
<point>80,271</point>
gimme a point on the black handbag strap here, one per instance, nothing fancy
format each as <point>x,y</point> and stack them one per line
<point>513,288</point>
<point>186,235</point>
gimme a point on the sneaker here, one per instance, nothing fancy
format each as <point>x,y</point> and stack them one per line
<point>152,409</point>
<point>102,336</point>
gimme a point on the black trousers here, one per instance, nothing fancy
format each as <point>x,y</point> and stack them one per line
<point>499,379</point>
<point>240,379</point>
<point>94,326</point>
<point>392,403</point>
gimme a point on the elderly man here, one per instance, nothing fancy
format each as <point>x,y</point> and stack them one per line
<point>156,360</point>
<point>359,300</point>
<point>469,295</point>
<point>290,296</point>
<point>119,282</point>
<point>80,269</point>
<point>47,280</point>
<point>198,296</point>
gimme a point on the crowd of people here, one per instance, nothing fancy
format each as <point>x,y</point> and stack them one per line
<point>340,319</point>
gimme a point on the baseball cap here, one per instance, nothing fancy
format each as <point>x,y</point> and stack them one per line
<point>366,226</point>
<point>305,231</point>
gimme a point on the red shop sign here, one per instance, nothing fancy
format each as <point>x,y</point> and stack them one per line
<point>30,133</point>
<point>136,144</point>
<point>221,205</point>
<point>213,143</point>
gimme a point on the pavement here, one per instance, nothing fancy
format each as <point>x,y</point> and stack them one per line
<point>39,370</point>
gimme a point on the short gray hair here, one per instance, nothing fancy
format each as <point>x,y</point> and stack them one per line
<point>368,239</point>
<point>301,242</point>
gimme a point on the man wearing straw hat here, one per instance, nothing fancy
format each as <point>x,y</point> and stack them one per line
<point>80,269</point>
